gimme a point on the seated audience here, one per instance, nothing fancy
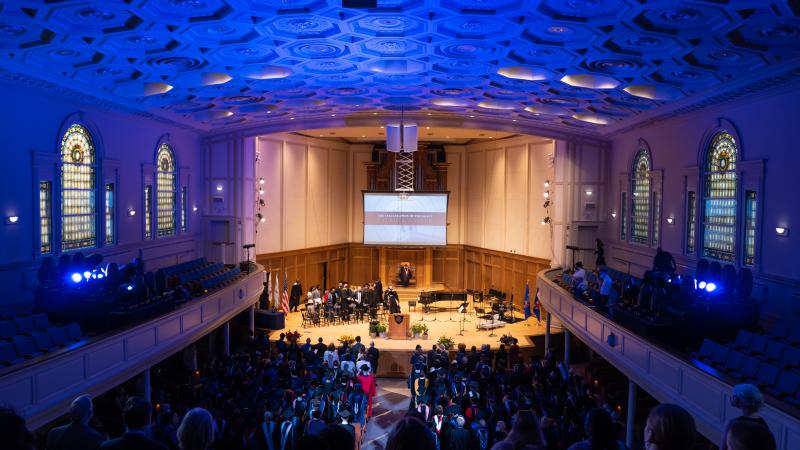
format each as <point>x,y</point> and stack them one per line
<point>525,434</point>
<point>196,431</point>
<point>669,427</point>
<point>749,400</point>
<point>136,416</point>
<point>14,435</point>
<point>77,435</point>
<point>747,435</point>
<point>411,433</point>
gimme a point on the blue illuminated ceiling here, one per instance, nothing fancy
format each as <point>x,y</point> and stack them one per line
<point>564,64</point>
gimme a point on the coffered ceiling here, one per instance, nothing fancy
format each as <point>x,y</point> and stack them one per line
<point>583,65</point>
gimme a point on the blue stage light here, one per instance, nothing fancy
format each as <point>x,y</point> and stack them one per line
<point>710,287</point>
<point>76,277</point>
<point>701,285</point>
<point>99,276</point>
<point>87,275</point>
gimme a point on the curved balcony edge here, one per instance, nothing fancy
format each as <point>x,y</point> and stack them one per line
<point>42,392</point>
<point>667,377</point>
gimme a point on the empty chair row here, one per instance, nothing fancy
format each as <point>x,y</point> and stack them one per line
<point>222,279</point>
<point>200,273</point>
<point>184,267</point>
<point>25,325</point>
<point>22,347</point>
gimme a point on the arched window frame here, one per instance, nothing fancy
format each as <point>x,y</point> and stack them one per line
<point>749,188</point>
<point>652,181</point>
<point>149,177</point>
<point>167,192</point>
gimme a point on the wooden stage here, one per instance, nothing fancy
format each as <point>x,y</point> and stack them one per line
<point>395,353</point>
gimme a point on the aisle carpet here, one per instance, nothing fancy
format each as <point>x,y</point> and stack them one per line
<point>389,406</point>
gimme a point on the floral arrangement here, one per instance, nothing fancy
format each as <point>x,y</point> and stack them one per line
<point>346,339</point>
<point>293,336</point>
<point>507,339</point>
<point>419,328</point>
<point>446,342</point>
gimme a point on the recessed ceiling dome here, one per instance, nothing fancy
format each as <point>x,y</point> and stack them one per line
<point>143,89</point>
<point>592,118</point>
<point>591,81</point>
<point>497,104</point>
<point>525,73</point>
<point>654,92</point>
<point>264,72</point>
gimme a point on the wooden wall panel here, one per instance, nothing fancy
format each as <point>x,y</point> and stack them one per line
<point>457,266</point>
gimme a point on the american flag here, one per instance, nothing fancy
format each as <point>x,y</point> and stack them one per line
<point>285,299</point>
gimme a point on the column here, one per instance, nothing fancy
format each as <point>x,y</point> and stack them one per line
<point>146,384</point>
<point>631,419</point>
<point>226,337</point>
<point>566,347</point>
<point>253,322</point>
<point>546,333</point>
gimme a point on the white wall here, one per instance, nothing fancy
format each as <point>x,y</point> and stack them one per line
<point>306,192</point>
<point>767,126</point>
<point>503,185</point>
<point>31,123</point>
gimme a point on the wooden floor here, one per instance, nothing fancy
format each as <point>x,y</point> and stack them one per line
<point>441,326</point>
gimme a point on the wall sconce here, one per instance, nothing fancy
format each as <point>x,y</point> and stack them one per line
<point>11,220</point>
<point>670,220</point>
<point>782,231</point>
<point>589,192</point>
<point>613,215</point>
<point>194,208</point>
<point>219,188</point>
<point>131,212</point>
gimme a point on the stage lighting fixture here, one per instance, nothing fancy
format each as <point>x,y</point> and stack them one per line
<point>87,275</point>
<point>711,287</point>
<point>76,277</point>
<point>701,285</point>
<point>546,183</point>
<point>261,180</point>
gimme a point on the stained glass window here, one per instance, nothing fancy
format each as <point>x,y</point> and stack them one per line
<point>166,190</point>
<point>148,212</point>
<point>750,227</point>
<point>45,217</point>
<point>109,213</point>
<point>640,207</point>
<point>719,210</point>
<point>183,209</point>
<point>656,218</point>
<point>691,219</point>
<point>78,189</point>
<point>623,216</point>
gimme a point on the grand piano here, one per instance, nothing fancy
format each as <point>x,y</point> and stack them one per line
<point>443,299</point>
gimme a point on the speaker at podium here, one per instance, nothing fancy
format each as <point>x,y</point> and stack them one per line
<point>399,324</point>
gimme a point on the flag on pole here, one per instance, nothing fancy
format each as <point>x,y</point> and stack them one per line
<point>269,291</point>
<point>536,307</point>
<point>276,293</point>
<point>526,307</point>
<point>285,299</point>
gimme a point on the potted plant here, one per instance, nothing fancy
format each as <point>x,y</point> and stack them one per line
<point>373,328</point>
<point>381,329</point>
<point>446,342</point>
<point>418,329</point>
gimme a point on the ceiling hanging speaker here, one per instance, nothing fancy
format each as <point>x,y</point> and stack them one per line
<point>401,141</point>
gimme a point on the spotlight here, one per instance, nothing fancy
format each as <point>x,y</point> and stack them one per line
<point>87,275</point>
<point>782,231</point>
<point>546,183</point>
<point>261,180</point>
<point>260,192</point>
<point>546,194</point>
<point>670,220</point>
<point>701,285</point>
<point>131,212</point>
<point>11,220</point>
<point>100,276</point>
<point>711,287</point>
<point>76,277</point>
<point>194,208</point>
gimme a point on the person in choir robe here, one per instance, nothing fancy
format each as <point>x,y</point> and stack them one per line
<point>378,286</point>
<point>265,437</point>
<point>294,296</point>
<point>392,300</point>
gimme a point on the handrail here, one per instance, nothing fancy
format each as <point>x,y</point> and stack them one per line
<point>663,375</point>
<point>42,392</point>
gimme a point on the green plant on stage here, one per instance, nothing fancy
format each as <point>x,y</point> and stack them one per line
<point>381,327</point>
<point>446,342</point>
<point>373,326</point>
<point>419,328</point>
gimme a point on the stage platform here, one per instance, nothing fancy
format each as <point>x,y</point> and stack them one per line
<point>396,353</point>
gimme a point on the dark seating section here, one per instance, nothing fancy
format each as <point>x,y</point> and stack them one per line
<point>770,360</point>
<point>26,336</point>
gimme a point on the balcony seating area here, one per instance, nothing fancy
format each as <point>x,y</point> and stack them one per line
<point>770,360</point>
<point>27,336</point>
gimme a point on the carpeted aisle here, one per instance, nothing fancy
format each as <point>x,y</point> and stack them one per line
<point>389,406</point>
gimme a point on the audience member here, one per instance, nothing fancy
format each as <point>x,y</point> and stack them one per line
<point>411,433</point>
<point>77,435</point>
<point>136,416</point>
<point>748,435</point>
<point>14,435</point>
<point>749,400</point>
<point>669,427</point>
<point>196,431</point>
<point>599,429</point>
<point>525,434</point>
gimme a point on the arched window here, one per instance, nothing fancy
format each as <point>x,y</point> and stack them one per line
<point>719,191</point>
<point>78,189</point>
<point>166,191</point>
<point>640,205</point>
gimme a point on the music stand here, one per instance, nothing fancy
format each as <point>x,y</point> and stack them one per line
<point>491,330</point>
<point>451,308</point>
<point>463,310</point>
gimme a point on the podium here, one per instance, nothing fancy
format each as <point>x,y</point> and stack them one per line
<point>399,324</point>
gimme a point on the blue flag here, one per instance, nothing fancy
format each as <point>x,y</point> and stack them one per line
<point>526,307</point>
<point>536,310</point>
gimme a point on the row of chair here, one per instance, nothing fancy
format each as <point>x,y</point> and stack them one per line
<point>27,337</point>
<point>200,273</point>
<point>187,266</point>
<point>221,280</point>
